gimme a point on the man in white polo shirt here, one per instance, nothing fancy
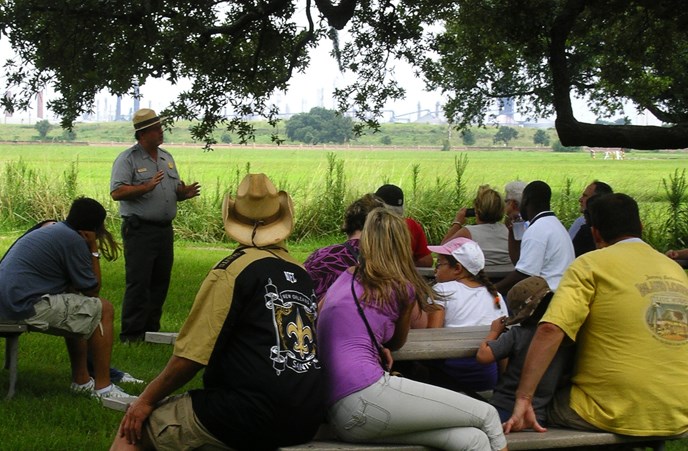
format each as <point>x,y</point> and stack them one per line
<point>546,248</point>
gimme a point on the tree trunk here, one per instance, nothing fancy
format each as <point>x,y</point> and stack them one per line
<point>574,133</point>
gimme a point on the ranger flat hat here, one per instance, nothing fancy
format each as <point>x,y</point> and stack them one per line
<point>144,118</point>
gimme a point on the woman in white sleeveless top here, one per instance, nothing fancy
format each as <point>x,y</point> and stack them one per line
<point>489,232</point>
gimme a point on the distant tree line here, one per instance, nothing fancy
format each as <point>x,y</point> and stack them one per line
<point>320,125</point>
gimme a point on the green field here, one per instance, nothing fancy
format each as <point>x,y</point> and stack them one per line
<point>640,174</point>
<point>302,171</point>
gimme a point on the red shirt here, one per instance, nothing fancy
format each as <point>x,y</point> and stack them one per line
<point>419,242</point>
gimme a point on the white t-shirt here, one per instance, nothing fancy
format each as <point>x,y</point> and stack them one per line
<point>546,250</point>
<point>466,306</point>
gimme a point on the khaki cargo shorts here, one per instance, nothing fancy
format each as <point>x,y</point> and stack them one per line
<point>66,314</point>
<point>560,413</point>
<point>173,426</point>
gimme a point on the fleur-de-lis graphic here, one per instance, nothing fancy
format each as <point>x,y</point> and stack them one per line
<point>300,333</point>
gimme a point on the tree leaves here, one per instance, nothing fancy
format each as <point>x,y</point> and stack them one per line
<point>238,54</point>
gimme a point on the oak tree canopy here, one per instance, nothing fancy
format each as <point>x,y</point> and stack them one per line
<point>238,53</point>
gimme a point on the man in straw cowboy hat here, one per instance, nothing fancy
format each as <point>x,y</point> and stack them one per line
<point>528,301</point>
<point>252,328</point>
<point>146,183</point>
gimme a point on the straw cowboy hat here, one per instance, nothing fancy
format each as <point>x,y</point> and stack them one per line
<point>144,118</point>
<point>260,215</point>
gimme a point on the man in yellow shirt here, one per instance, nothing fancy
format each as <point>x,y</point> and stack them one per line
<point>625,305</point>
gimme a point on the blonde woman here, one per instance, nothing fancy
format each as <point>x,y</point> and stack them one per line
<point>488,231</point>
<point>365,402</point>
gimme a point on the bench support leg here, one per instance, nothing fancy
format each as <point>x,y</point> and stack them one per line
<point>11,352</point>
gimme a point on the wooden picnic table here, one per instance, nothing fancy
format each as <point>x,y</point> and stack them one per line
<point>442,343</point>
<point>422,344</point>
<point>495,272</point>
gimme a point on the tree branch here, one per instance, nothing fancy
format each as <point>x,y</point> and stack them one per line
<point>337,16</point>
<point>661,115</point>
<point>574,133</point>
<point>241,23</point>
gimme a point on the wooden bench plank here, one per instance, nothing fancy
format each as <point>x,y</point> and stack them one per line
<point>442,343</point>
<point>11,333</point>
<point>518,441</point>
<point>167,338</point>
<point>119,404</point>
<point>568,438</point>
<point>439,350</point>
<point>448,333</point>
<point>334,445</point>
<point>494,272</point>
<point>12,328</point>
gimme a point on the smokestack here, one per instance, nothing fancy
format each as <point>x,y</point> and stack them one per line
<point>39,105</point>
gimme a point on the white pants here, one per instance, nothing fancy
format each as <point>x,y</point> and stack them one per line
<point>403,411</point>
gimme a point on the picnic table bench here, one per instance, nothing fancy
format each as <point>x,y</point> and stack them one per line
<point>11,333</point>
<point>554,438</point>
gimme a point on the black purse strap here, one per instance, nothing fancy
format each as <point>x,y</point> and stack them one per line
<point>352,250</point>
<point>377,345</point>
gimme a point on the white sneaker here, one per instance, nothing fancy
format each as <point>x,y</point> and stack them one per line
<point>111,391</point>
<point>128,378</point>
<point>83,388</point>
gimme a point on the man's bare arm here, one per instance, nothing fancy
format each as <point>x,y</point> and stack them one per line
<point>176,373</point>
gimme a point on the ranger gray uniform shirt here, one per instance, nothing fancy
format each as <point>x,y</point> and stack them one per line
<point>135,166</point>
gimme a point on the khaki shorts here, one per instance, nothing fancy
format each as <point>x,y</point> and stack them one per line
<point>560,413</point>
<point>173,426</point>
<point>66,314</point>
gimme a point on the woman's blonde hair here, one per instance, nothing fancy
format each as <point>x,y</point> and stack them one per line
<point>489,206</point>
<point>387,271</point>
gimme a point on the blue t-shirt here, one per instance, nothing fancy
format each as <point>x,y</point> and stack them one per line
<point>50,260</point>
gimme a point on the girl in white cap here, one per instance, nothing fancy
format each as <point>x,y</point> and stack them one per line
<point>467,298</point>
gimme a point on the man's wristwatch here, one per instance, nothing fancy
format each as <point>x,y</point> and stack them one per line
<point>96,254</point>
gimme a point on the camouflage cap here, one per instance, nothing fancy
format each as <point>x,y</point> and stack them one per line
<point>524,297</point>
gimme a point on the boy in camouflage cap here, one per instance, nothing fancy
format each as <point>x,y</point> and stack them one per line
<point>528,301</point>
